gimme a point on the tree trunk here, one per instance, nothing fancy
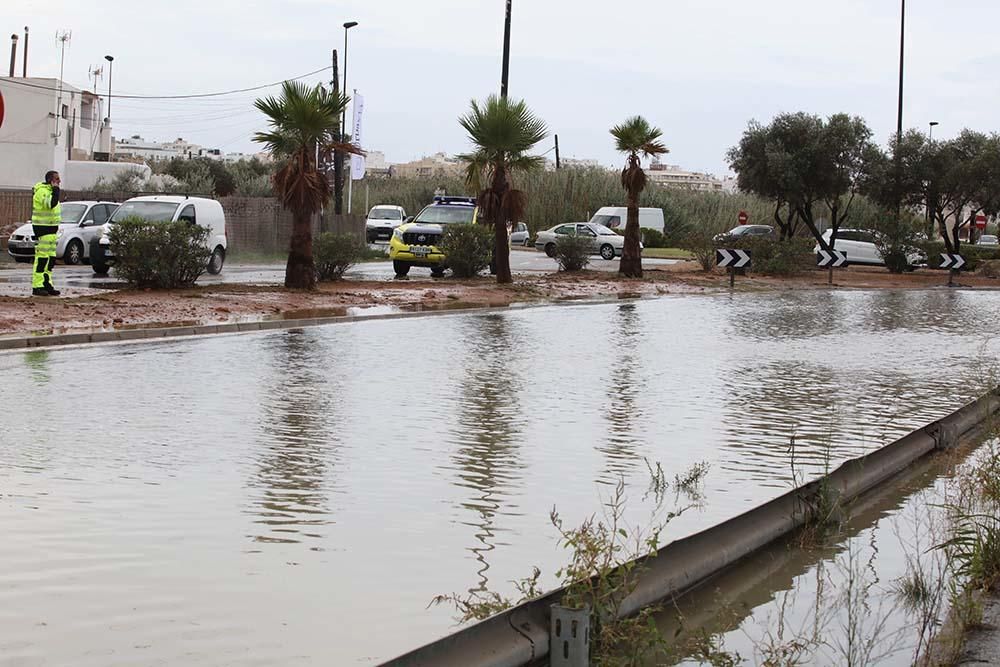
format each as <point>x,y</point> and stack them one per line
<point>300,271</point>
<point>338,182</point>
<point>631,262</point>
<point>501,240</point>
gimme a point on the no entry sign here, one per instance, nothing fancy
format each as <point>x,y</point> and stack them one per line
<point>743,217</point>
<point>980,218</point>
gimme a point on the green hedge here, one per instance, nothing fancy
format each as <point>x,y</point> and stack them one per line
<point>468,248</point>
<point>160,255</point>
<point>777,258</point>
<point>334,254</point>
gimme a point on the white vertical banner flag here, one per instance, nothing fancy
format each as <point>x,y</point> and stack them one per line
<point>357,161</point>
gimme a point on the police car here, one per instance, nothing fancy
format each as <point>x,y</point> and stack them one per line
<point>416,242</point>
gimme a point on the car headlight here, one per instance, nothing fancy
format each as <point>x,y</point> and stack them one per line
<point>397,234</point>
<point>59,234</point>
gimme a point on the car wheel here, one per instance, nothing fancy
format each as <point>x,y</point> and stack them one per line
<point>99,266</point>
<point>550,249</point>
<point>401,268</point>
<point>217,260</point>
<point>527,242</point>
<point>437,272</point>
<point>74,253</point>
<point>607,251</point>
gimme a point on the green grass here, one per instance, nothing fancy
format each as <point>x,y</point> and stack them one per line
<point>666,253</point>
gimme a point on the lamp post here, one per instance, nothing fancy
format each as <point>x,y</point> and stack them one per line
<point>347,26</point>
<point>930,134</point>
<point>506,52</point>
<point>899,116</point>
<point>111,66</point>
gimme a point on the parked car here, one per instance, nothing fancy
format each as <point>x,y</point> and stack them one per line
<point>80,222</point>
<point>381,220</point>
<point>605,241</point>
<point>614,217</point>
<point>859,246</point>
<point>415,242</point>
<point>166,208</point>
<point>520,235</point>
<point>746,231</point>
<point>988,240</point>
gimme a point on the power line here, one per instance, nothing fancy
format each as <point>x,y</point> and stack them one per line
<point>176,97</point>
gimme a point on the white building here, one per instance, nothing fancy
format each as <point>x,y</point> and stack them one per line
<point>47,124</point>
<point>672,176</point>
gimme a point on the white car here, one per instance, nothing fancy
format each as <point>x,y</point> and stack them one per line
<point>988,240</point>
<point>520,235</point>
<point>81,221</point>
<point>381,220</point>
<point>605,241</point>
<point>859,246</point>
<point>166,208</point>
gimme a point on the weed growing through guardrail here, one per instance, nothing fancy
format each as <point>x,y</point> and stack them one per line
<point>603,570</point>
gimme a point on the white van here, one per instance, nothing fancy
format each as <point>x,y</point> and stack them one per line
<point>615,217</point>
<point>166,208</point>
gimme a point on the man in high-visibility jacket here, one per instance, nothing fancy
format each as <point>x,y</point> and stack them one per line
<point>45,217</point>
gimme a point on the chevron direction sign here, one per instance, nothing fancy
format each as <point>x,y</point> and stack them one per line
<point>948,261</point>
<point>736,259</point>
<point>834,258</point>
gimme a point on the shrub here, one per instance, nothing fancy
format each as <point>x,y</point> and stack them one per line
<point>159,254</point>
<point>468,248</point>
<point>777,258</point>
<point>974,255</point>
<point>651,238</point>
<point>573,252</point>
<point>333,254</point>
<point>699,242</point>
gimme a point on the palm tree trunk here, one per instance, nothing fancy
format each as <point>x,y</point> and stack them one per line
<point>300,272</point>
<point>631,262</point>
<point>501,244</point>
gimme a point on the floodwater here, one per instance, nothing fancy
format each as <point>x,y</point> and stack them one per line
<point>298,497</point>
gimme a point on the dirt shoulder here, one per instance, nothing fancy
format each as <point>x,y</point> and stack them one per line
<point>228,303</point>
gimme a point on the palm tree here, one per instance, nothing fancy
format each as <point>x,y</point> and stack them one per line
<point>634,137</point>
<point>502,131</point>
<point>303,119</point>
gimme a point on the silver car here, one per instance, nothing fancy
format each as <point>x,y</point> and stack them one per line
<point>520,235</point>
<point>988,240</point>
<point>605,241</point>
<point>81,222</point>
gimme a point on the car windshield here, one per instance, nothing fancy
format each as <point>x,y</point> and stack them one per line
<point>152,211</point>
<point>606,220</point>
<point>385,214</point>
<point>71,212</point>
<point>602,230</point>
<point>446,215</point>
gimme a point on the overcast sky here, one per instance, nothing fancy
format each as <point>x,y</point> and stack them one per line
<point>699,69</point>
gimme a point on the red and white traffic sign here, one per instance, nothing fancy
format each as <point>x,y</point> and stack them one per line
<point>981,221</point>
<point>743,217</point>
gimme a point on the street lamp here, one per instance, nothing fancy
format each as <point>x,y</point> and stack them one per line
<point>111,66</point>
<point>347,26</point>
<point>505,70</point>
<point>931,133</point>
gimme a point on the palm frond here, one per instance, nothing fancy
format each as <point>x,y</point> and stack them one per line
<point>502,126</point>
<point>637,136</point>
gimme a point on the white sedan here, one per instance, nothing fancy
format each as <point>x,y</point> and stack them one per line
<point>859,246</point>
<point>605,241</point>
<point>81,221</point>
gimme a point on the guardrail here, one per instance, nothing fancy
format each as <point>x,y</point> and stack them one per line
<point>520,635</point>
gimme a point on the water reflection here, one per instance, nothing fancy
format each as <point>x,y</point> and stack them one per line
<point>626,383</point>
<point>298,422</point>
<point>488,429</point>
<point>38,363</point>
<point>786,316</point>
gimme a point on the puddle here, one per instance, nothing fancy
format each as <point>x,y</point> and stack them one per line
<point>274,497</point>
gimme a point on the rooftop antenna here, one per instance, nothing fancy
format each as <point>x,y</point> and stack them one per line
<point>63,37</point>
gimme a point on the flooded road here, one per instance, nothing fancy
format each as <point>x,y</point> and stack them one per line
<point>298,497</point>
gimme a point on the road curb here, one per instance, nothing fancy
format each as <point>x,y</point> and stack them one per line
<point>188,331</point>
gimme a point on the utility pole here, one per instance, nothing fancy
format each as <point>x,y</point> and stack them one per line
<point>899,115</point>
<point>557,151</point>
<point>338,157</point>
<point>506,53</point>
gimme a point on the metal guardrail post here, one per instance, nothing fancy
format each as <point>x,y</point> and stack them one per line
<point>569,637</point>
